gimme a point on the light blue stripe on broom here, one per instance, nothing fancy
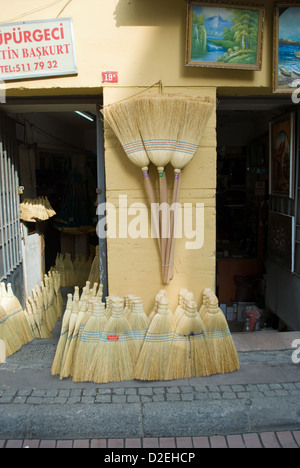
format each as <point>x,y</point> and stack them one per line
<point>160,144</point>
<point>125,335</point>
<point>159,337</point>
<point>218,333</point>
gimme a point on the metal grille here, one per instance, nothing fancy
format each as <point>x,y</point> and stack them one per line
<point>10,235</point>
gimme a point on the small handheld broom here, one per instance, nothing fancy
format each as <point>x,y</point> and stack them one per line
<point>219,338</point>
<point>85,362</point>
<point>116,351</point>
<point>190,355</point>
<point>154,358</point>
<point>57,362</point>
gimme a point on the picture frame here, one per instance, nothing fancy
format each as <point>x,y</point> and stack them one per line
<point>282,156</point>
<point>286,47</point>
<point>281,240</point>
<point>216,36</point>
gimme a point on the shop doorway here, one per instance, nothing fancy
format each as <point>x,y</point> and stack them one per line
<point>242,202</point>
<point>58,148</point>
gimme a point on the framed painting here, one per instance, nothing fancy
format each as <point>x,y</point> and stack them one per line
<point>286,47</point>
<point>282,156</point>
<point>281,240</point>
<point>224,35</point>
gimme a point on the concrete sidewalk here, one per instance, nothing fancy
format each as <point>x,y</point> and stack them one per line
<point>262,397</point>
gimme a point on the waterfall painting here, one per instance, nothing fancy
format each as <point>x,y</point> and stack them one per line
<point>224,35</point>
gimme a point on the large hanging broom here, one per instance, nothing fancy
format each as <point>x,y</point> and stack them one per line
<point>162,128</point>
<point>195,113</point>
<point>220,341</point>
<point>122,118</point>
<point>154,358</point>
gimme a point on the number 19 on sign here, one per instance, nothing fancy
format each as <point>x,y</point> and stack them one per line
<point>110,77</point>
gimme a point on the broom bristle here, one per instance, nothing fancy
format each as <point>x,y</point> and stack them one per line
<point>195,113</point>
<point>153,361</point>
<point>190,355</point>
<point>139,323</point>
<point>180,311</point>
<point>84,365</point>
<point>69,358</point>
<point>122,118</point>
<point>220,340</point>
<point>16,314</point>
<point>8,334</point>
<point>207,293</point>
<point>116,352</point>
<point>57,362</point>
<point>158,120</point>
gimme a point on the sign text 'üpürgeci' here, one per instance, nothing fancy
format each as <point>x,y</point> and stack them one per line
<point>35,49</point>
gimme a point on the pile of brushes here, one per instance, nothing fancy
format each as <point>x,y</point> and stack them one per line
<point>19,326</point>
<point>45,306</point>
<point>37,209</point>
<point>15,330</point>
<point>116,340</point>
<point>76,272</point>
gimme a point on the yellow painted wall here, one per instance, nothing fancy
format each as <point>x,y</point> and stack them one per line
<point>144,41</point>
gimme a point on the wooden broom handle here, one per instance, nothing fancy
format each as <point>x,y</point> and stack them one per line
<point>151,198</point>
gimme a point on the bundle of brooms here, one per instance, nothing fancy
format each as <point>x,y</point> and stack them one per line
<point>37,209</point>
<point>162,129</point>
<point>100,344</point>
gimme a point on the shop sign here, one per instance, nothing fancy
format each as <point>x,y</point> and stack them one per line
<point>37,49</point>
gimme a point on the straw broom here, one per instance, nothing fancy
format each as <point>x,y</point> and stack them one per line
<point>116,351</point>
<point>159,295</point>
<point>58,300</point>
<point>195,113</point>
<point>68,359</point>
<point>31,320</point>
<point>207,293</point>
<point>158,121</point>
<point>16,315</point>
<point>219,338</point>
<point>180,311</point>
<point>122,118</point>
<point>154,358</point>
<point>94,274</point>
<point>57,362</point>
<point>85,363</point>
<point>139,323</point>
<point>8,333</point>
<point>37,304</point>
